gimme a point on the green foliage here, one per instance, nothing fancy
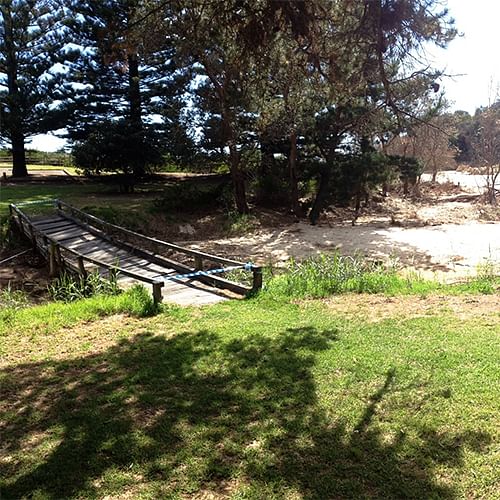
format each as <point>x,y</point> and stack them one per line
<point>326,275</point>
<point>138,302</point>
<point>240,224</point>
<point>118,147</point>
<point>192,195</point>
<point>120,216</point>
<point>12,299</point>
<point>68,287</point>
<point>31,45</point>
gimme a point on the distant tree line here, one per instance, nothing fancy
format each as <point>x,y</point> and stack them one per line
<point>293,97</point>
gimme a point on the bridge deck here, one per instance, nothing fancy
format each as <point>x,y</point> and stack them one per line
<point>73,236</point>
<point>82,243</point>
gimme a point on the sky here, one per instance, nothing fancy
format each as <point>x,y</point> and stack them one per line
<point>473,56</point>
<point>471,60</point>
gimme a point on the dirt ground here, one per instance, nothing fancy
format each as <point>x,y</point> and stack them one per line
<point>447,232</point>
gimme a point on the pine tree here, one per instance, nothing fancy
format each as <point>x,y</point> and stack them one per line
<point>124,72</point>
<point>31,45</point>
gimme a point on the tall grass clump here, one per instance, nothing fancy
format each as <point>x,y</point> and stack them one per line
<point>330,274</point>
<point>137,301</point>
<point>12,299</point>
<point>68,287</point>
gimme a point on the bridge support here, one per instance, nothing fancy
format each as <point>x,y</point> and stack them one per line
<point>157,297</point>
<point>257,279</point>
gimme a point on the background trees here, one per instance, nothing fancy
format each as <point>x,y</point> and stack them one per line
<point>32,38</point>
<point>478,141</point>
<point>284,93</point>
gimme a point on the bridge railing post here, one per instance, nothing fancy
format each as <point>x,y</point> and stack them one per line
<point>198,263</point>
<point>257,278</point>
<point>81,267</point>
<point>33,238</point>
<point>52,259</point>
<point>157,297</point>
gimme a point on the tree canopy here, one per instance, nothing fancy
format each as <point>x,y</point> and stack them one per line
<point>279,91</point>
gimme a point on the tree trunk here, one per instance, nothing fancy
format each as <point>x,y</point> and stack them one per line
<point>237,174</point>
<point>434,171</point>
<point>134,97</point>
<point>18,155</point>
<point>238,179</point>
<point>321,196</point>
<point>134,90</point>
<point>15,125</point>
<point>292,170</point>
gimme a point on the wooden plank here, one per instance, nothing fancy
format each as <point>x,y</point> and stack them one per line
<point>49,225</point>
<point>75,240</point>
<point>107,257</point>
<point>48,220</point>
<point>90,246</point>
<point>56,225</point>
<point>65,233</point>
<point>55,230</point>
<point>150,267</point>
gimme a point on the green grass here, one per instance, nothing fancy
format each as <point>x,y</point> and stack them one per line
<point>53,316</point>
<point>250,399</point>
<point>327,274</point>
<point>101,199</point>
<point>77,193</point>
<point>32,168</point>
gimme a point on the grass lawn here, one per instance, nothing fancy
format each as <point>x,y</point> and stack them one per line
<point>350,397</point>
<point>102,199</point>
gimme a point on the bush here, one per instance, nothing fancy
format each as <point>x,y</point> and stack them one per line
<point>188,195</point>
<point>118,146</point>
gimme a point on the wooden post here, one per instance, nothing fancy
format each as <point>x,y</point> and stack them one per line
<point>257,279</point>
<point>81,267</point>
<point>52,260</point>
<point>20,222</point>
<point>33,238</point>
<point>198,263</point>
<point>157,297</point>
<point>59,259</point>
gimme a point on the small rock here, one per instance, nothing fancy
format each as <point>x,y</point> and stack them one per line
<point>187,229</point>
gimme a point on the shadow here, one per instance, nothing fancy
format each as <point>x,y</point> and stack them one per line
<point>193,412</point>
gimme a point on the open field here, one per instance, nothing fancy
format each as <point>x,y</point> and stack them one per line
<point>255,399</point>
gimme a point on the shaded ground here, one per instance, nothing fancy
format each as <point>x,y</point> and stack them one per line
<point>253,401</point>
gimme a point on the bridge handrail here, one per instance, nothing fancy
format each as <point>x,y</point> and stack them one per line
<point>172,246</point>
<point>97,262</point>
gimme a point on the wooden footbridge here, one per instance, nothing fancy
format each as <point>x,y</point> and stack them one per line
<point>78,242</point>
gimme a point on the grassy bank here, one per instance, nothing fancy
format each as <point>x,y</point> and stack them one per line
<point>254,399</point>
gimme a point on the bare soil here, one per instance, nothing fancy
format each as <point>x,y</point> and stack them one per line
<point>27,273</point>
<point>446,232</point>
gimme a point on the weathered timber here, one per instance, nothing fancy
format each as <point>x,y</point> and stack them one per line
<point>68,242</point>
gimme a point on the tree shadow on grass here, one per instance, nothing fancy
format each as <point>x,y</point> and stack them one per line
<point>198,413</point>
